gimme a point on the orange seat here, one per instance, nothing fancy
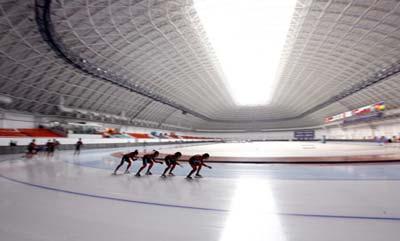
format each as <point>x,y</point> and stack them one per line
<point>140,135</point>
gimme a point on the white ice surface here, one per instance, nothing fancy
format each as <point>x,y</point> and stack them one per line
<point>49,199</point>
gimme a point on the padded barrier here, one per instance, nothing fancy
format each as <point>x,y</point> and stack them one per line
<point>23,149</point>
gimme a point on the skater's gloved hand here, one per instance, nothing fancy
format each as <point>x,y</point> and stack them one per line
<point>209,167</point>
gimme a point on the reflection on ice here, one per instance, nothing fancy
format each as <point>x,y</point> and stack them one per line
<point>253,213</point>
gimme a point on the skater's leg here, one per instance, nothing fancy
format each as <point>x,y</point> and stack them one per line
<point>172,168</point>
<point>198,170</point>
<point>141,168</point>
<point>166,170</point>
<point>120,164</point>
<point>194,168</point>
<point>127,168</point>
<point>149,168</point>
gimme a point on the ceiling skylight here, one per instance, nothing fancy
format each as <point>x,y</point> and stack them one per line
<point>248,37</point>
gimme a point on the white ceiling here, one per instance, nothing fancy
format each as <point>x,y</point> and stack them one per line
<point>160,49</point>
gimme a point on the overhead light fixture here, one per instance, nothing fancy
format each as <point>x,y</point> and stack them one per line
<point>248,37</point>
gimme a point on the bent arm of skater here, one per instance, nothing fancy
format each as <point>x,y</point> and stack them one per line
<point>156,161</point>
<point>203,164</point>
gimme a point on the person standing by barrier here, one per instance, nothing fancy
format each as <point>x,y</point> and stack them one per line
<point>56,145</point>
<point>78,146</point>
<point>32,149</point>
<point>13,143</point>
<point>50,146</point>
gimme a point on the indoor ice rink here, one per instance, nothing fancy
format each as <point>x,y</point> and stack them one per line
<point>203,120</point>
<point>71,198</point>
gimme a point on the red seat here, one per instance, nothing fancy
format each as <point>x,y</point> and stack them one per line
<point>10,132</point>
<point>39,132</point>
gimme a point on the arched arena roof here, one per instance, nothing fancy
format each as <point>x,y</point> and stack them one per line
<point>152,63</point>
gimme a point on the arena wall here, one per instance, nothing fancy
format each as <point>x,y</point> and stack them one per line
<point>365,131</point>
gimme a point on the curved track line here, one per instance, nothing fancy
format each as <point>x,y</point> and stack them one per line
<point>190,207</point>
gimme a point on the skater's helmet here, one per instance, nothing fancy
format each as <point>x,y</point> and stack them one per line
<point>178,154</point>
<point>205,155</point>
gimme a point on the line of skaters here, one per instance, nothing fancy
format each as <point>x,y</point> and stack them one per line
<point>196,162</point>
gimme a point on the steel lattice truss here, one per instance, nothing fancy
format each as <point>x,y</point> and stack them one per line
<point>151,62</point>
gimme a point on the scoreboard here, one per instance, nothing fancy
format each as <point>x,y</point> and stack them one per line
<point>304,134</point>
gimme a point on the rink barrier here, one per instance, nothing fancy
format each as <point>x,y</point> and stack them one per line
<point>315,160</point>
<point>23,149</point>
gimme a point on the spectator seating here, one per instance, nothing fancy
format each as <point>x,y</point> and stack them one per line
<point>140,135</point>
<point>11,132</point>
<point>39,132</point>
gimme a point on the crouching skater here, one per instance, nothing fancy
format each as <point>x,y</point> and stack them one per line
<point>197,162</point>
<point>129,158</point>
<point>149,160</point>
<point>171,161</point>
